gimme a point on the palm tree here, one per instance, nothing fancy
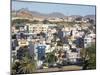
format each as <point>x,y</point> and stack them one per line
<point>27,66</point>
<point>15,67</point>
<point>13,72</point>
<point>24,65</point>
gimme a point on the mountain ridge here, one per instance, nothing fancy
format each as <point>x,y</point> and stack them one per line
<point>49,15</point>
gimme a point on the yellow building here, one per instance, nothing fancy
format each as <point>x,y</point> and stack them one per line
<point>23,42</point>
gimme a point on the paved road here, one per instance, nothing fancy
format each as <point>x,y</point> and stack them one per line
<point>65,68</point>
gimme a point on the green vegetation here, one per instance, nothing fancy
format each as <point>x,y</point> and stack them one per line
<point>63,23</point>
<point>92,57</point>
<point>51,58</point>
<point>19,21</point>
<point>89,56</point>
<point>25,64</point>
<point>35,22</point>
<point>45,22</point>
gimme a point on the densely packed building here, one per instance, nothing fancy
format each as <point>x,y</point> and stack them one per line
<point>41,39</point>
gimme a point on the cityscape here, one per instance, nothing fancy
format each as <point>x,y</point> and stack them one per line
<point>51,37</point>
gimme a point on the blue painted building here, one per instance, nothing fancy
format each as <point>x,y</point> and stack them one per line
<point>79,42</point>
<point>41,52</point>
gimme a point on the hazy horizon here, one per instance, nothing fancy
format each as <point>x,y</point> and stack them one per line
<point>47,8</point>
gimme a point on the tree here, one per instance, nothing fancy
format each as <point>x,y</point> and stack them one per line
<point>59,43</point>
<point>92,57</point>
<point>51,58</point>
<point>55,37</point>
<point>78,19</point>
<point>27,66</point>
<point>45,21</point>
<point>23,52</point>
<point>89,57</point>
<point>35,21</point>
<point>19,21</point>
<point>24,66</point>
<point>25,63</point>
<point>91,21</point>
<point>15,67</point>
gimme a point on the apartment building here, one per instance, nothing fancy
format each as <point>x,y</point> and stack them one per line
<point>89,39</point>
<point>37,28</point>
<point>73,56</point>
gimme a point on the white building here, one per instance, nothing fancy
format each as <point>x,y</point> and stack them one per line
<point>55,19</point>
<point>73,56</point>
<point>40,27</point>
<point>37,28</point>
<point>66,48</point>
<point>89,39</point>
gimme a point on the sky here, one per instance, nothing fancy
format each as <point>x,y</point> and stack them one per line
<point>66,9</point>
